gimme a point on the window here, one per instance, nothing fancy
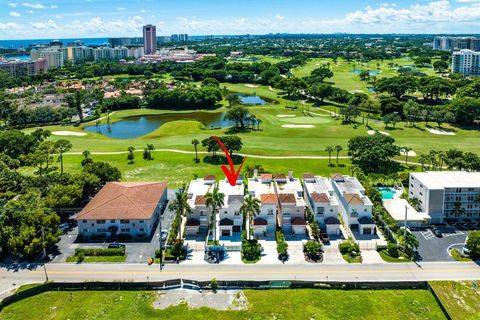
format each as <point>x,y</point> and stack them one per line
<point>125,230</point>
<point>201,213</point>
<point>142,230</point>
<point>133,224</point>
<point>84,221</point>
<point>100,221</point>
<point>237,213</point>
<point>112,221</point>
<point>270,211</point>
<point>124,221</point>
<point>411,185</point>
<point>226,212</point>
<point>101,230</point>
<point>85,230</point>
<point>320,210</point>
<point>140,221</point>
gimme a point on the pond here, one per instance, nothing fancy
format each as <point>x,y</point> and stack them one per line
<point>370,72</point>
<point>134,127</point>
<point>251,100</point>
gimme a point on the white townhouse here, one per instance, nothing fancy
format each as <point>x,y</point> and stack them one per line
<point>198,221</point>
<point>124,210</point>
<point>320,196</point>
<point>261,187</point>
<point>291,204</point>
<point>447,195</point>
<point>355,206</point>
<point>229,217</point>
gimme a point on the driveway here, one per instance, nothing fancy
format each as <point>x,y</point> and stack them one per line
<point>331,254</point>
<point>432,248</point>
<point>269,254</point>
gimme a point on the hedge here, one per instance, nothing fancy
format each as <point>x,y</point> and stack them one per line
<point>100,251</point>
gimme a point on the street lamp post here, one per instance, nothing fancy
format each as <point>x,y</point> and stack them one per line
<point>405,230</point>
<point>160,237</point>
<point>44,254</point>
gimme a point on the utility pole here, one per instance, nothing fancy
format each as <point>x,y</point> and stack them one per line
<point>44,254</point>
<point>160,237</point>
<point>405,230</point>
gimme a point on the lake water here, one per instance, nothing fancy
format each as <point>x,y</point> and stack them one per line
<point>251,100</point>
<point>370,72</point>
<point>134,127</point>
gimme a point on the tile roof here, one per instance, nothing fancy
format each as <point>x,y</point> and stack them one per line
<point>308,176</point>
<point>280,176</point>
<point>337,177</point>
<point>199,199</point>
<point>298,222</point>
<point>287,198</point>
<point>192,222</point>
<point>124,200</point>
<point>353,198</point>
<point>266,176</point>
<point>210,177</point>
<point>268,198</point>
<point>226,222</point>
<point>260,222</point>
<point>365,220</point>
<point>320,197</point>
<point>332,220</point>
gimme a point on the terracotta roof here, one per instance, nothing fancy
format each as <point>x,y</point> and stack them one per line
<point>337,177</point>
<point>287,198</point>
<point>260,222</point>
<point>226,222</point>
<point>332,220</point>
<point>365,220</point>
<point>124,200</point>
<point>200,199</point>
<point>266,176</point>
<point>280,176</point>
<point>320,197</point>
<point>210,177</point>
<point>268,198</point>
<point>298,222</point>
<point>353,198</point>
<point>192,222</point>
<point>308,176</point>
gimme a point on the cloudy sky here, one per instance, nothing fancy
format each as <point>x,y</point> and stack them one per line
<point>45,19</point>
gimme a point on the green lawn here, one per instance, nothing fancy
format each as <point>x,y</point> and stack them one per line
<point>350,259</point>
<point>98,259</point>
<point>458,256</point>
<point>262,304</point>
<point>388,258</point>
<point>460,299</point>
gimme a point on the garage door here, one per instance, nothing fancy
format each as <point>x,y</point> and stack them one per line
<point>367,230</point>
<point>226,232</point>
<point>354,226</point>
<point>299,230</point>
<point>191,231</point>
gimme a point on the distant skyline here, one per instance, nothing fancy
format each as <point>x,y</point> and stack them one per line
<point>107,18</point>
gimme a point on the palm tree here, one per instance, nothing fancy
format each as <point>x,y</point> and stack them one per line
<point>214,200</point>
<point>250,208</point>
<point>329,149</point>
<point>423,159</point>
<point>195,143</point>
<point>409,241</point>
<point>62,146</point>
<point>181,207</point>
<point>406,150</point>
<point>458,210</point>
<point>338,148</point>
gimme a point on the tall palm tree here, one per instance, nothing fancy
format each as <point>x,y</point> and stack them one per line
<point>409,242</point>
<point>423,159</point>
<point>195,143</point>
<point>458,210</point>
<point>406,150</point>
<point>329,149</point>
<point>338,148</point>
<point>181,207</point>
<point>214,200</point>
<point>250,208</point>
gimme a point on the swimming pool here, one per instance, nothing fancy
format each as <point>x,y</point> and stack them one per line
<point>387,193</point>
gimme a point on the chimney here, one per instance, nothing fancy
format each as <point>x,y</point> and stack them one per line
<point>255,173</point>
<point>290,174</point>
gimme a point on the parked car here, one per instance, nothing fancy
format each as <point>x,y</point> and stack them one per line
<point>116,245</point>
<point>437,232</point>
<point>64,227</point>
<point>163,235</point>
<point>465,249</point>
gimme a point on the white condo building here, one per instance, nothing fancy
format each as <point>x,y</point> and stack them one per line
<point>320,196</point>
<point>452,195</point>
<point>466,62</point>
<point>355,206</point>
<point>230,219</point>
<point>262,187</point>
<point>291,204</point>
<point>198,220</point>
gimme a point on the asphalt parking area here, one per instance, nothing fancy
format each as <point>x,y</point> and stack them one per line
<point>433,248</point>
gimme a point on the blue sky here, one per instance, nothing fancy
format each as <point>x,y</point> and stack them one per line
<point>25,19</point>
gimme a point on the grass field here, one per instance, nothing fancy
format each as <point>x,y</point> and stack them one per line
<point>460,299</point>
<point>388,258</point>
<point>262,304</point>
<point>99,259</point>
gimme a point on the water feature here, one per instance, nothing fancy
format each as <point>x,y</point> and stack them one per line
<point>251,100</point>
<point>134,127</point>
<point>388,193</point>
<point>370,72</point>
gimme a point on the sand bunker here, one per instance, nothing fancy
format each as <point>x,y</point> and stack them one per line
<point>372,132</point>
<point>222,300</point>
<point>251,86</point>
<point>286,115</point>
<point>411,153</point>
<point>303,126</point>
<point>68,133</point>
<point>441,132</point>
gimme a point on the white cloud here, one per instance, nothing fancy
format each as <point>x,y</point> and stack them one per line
<point>14,14</point>
<point>13,5</point>
<point>50,24</point>
<point>30,11</point>
<point>36,5</point>
<point>121,9</point>
<point>143,11</point>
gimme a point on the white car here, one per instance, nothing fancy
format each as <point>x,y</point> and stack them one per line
<point>465,249</point>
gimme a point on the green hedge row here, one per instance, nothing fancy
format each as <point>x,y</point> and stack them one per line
<point>100,251</point>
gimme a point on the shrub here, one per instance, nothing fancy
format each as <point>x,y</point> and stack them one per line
<point>349,247</point>
<point>392,250</point>
<point>100,252</point>
<point>313,248</point>
<point>251,250</point>
<point>214,285</point>
<point>282,246</point>
<point>80,257</point>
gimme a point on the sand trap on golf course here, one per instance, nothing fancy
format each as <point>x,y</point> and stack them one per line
<point>303,126</point>
<point>251,86</point>
<point>286,115</point>
<point>372,132</point>
<point>68,133</point>
<point>411,153</point>
<point>441,132</point>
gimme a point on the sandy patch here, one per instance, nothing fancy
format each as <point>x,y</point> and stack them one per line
<point>303,126</point>
<point>441,132</point>
<point>68,133</point>
<point>286,115</point>
<point>251,86</point>
<point>357,91</point>
<point>222,300</point>
<point>372,132</point>
<point>411,153</point>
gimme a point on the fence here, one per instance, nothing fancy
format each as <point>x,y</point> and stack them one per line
<point>389,233</point>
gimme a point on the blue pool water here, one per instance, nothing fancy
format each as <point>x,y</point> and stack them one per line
<point>251,100</point>
<point>370,72</point>
<point>387,192</point>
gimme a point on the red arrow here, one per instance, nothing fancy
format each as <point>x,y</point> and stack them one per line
<point>231,174</point>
